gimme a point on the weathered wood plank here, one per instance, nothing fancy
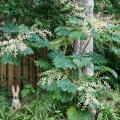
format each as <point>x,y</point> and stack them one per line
<point>23,74</point>
<point>10,76</point>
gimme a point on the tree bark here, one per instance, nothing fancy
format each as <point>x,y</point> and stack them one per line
<point>89,70</point>
<point>84,47</point>
<point>80,45</point>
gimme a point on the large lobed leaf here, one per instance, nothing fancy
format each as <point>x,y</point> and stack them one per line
<point>63,62</point>
<point>66,85</point>
<point>37,42</point>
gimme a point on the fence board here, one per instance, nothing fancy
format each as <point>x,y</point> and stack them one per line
<point>30,71</point>
<point>17,74</point>
<point>3,75</point>
<point>25,70</point>
<point>25,73</point>
<point>10,76</point>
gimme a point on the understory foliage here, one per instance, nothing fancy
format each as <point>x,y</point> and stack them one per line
<point>63,92</point>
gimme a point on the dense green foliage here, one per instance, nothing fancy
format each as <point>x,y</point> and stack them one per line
<point>64,91</point>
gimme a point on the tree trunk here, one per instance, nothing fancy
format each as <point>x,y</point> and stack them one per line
<point>86,46</point>
<point>80,45</point>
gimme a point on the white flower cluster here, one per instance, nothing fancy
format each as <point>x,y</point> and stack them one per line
<point>90,98</point>
<point>87,93</point>
<point>48,77</point>
<point>13,46</point>
<point>79,10</point>
<point>16,45</point>
<point>42,33</point>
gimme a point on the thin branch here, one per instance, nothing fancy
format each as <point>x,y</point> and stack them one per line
<point>86,46</point>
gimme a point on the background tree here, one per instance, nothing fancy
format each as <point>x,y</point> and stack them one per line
<point>85,47</point>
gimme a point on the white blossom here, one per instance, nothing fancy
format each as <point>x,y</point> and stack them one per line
<point>16,45</point>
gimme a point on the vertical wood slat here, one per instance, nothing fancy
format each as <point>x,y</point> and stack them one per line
<point>37,69</point>
<point>10,76</point>
<point>3,75</point>
<point>27,72</point>
<point>30,71</point>
<point>17,74</point>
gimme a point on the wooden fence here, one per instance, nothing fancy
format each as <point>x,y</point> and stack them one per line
<point>25,73</point>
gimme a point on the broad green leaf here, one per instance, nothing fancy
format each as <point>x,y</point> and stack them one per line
<point>78,35</point>
<point>9,59</point>
<point>63,62</point>
<point>75,21</point>
<point>10,28</point>
<point>42,64</point>
<point>63,31</point>
<point>67,86</point>
<point>98,59</point>
<point>23,29</point>
<point>37,42</point>
<point>81,62</point>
